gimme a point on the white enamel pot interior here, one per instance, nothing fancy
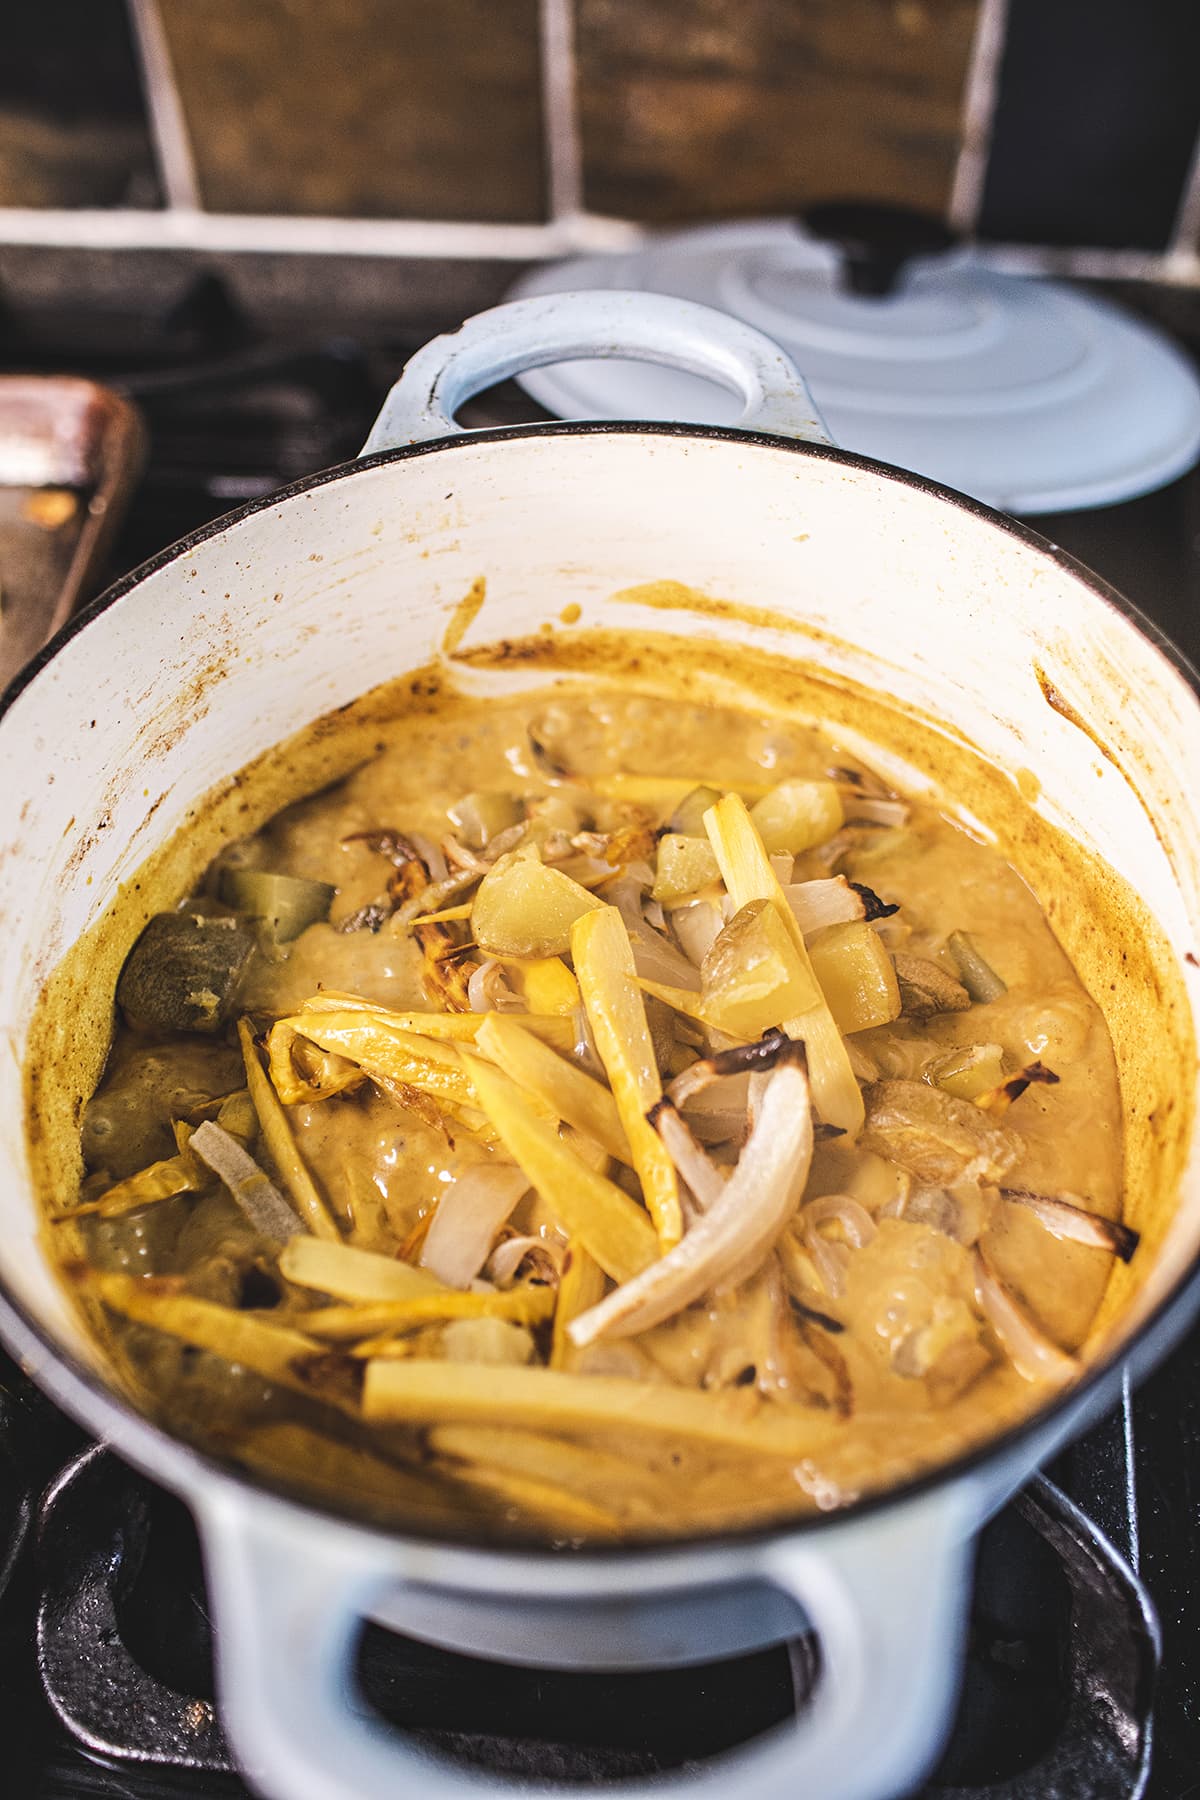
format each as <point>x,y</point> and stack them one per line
<point>234,640</point>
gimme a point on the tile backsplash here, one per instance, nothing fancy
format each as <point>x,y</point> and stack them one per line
<point>695,109</point>
<point>1072,124</point>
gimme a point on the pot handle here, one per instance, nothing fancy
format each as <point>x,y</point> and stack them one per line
<point>656,328</point>
<point>886,1596</point>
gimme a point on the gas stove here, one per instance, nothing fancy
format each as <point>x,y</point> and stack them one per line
<point>1080,1683</point>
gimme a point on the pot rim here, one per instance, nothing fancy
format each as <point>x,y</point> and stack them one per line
<point>188,1469</point>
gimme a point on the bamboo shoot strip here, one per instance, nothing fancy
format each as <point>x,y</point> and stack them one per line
<point>580,1287</point>
<point>352,1274</point>
<point>574,1096</point>
<point>604,968</point>
<point>254,1191</point>
<point>420,1391</point>
<point>274,1351</point>
<point>747,873</point>
<point>354,1324</point>
<point>277,1136</point>
<point>587,1205</point>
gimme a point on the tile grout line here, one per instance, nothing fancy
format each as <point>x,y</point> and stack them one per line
<point>560,110</point>
<point>980,96</point>
<point>1185,235</point>
<point>168,125</point>
<point>180,228</point>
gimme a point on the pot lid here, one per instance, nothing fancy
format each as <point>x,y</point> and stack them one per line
<point>1025,393</point>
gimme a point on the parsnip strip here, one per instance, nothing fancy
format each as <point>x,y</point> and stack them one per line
<point>554,1508</point>
<point>277,1136</point>
<point>355,1324</point>
<point>422,1392</point>
<point>292,1086</point>
<point>604,968</point>
<point>348,1273</point>
<point>441,1026</point>
<point>664,792</point>
<point>160,1181</point>
<point>337,1469</point>
<point>747,873</point>
<point>582,1468</point>
<point>274,1351</point>
<point>572,1095</point>
<point>613,1228</point>
<point>580,1287</point>
<point>378,1045</point>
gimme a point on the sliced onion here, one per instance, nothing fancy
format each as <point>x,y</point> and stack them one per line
<point>830,1262</point>
<point>697,927</point>
<point>783,866</point>
<point>656,959</point>
<point>816,904</point>
<point>1065,1217</point>
<point>864,809</point>
<point>720,1114</point>
<point>698,1170</point>
<point>654,915</point>
<point>468,1216</point>
<point>1027,1347</point>
<point>841,1209</point>
<point>431,856</point>
<point>739,1059</point>
<point>488,991</point>
<point>507,1258</point>
<point>738,1229</point>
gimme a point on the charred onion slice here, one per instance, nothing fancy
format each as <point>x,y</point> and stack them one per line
<point>999,1099</point>
<point>1031,1353</point>
<point>1064,1218</point>
<point>469,1214</point>
<point>753,1207</point>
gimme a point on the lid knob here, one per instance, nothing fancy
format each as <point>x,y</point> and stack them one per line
<point>876,240</point>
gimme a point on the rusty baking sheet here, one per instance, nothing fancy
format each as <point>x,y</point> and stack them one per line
<point>70,453</point>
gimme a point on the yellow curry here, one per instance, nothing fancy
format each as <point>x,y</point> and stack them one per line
<point>599,1116</point>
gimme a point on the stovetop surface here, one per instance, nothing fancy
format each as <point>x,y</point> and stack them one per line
<point>105,1657</point>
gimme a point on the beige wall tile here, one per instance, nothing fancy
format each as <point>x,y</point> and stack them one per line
<point>699,108</point>
<point>375,108</point>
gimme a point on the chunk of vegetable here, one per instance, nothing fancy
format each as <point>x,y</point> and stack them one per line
<point>545,984</point>
<point>688,818</point>
<point>483,815</point>
<point>587,1205</point>
<point>525,909</point>
<point>422,1392</point>
<point>856,976</point>
<point>970,1071</point>
<point>926,989</point>
<point>277,1136</point>
<point>752,977</point>
<point>351,1274</point>
<point>571,1094</point>
<point>747,873</point>
<point>686,865</point>
<point>286,904</point>
<point>183,973</point>
<point>978,976</point>
<point>607,978</point>
<point>797,815</point>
